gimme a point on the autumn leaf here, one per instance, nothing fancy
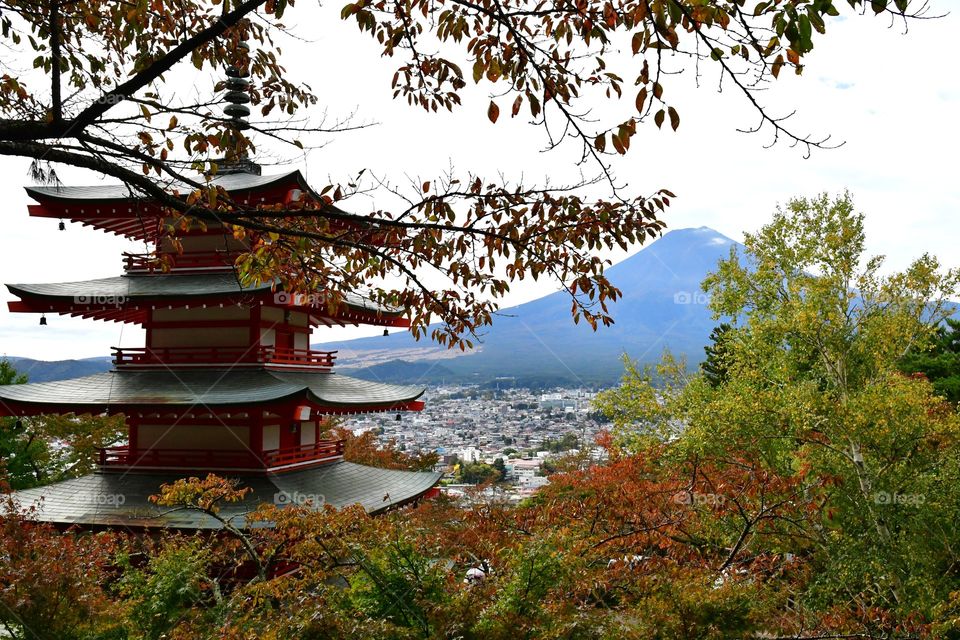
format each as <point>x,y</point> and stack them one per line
<point>493,111</point>
<point>777,65</point>
<point>674,118</point>
<point>618,144</point>
<point>641,99</point>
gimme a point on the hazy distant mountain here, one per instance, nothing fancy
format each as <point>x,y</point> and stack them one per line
<point>537,342</point>
<point>45,371</point>
<point>662,307</point>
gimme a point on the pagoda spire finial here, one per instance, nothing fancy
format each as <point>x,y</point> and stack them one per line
<point>237,98</point>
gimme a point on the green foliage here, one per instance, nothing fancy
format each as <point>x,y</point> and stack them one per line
<point>500,468</point>
<point>809,393</point>
<point>714,366</point>
<point>9,375</point>
<point>44,449</point>
<point>644,407</point>
<point>696,607</point>
<point>564,443</point>
<point>394,584</point>
<point>173,584</point>
<point>478,473</point>
<point>941,363</point>
<point>816,393</point>
<point>531,572</point>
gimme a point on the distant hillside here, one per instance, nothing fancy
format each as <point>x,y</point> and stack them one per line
<point>403,372</point>
<point>44,371</point>
<point>662,307</point>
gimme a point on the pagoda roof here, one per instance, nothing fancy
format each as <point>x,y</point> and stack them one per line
<point>121,209</point>
<point>132,287</point>
<point>120,192</point>
<point>122,499</point>
<point>125,391</point>
<point>120,297</point>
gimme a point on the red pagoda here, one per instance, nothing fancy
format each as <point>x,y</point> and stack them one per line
<point>226,383</point>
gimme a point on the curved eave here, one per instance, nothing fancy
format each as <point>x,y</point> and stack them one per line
<point>136,312</point>
<point>164,391</point>
<point>116,209</point>
<point>95,501</point>
<point>120,289</point>
<point>128,298</point>
<point>116,193</point>
<point>21,409</point>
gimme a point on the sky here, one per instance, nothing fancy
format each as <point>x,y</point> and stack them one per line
<point>892,98</point>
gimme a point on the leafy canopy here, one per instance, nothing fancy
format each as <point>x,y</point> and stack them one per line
<point>850,465</point>
<point>44,449</point>
<point>941,362</point>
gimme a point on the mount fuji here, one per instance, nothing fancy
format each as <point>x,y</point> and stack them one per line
<point>537,343</point>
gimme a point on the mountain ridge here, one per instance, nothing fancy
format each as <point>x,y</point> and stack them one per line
<point>662,307</point>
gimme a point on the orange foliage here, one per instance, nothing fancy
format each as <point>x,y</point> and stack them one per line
<point>364,449</point>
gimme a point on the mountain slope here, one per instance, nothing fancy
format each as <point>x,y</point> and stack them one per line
<point>45,371</point>
<point>662,307</point>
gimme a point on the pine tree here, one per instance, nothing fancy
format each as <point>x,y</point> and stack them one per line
<point>714,367</point>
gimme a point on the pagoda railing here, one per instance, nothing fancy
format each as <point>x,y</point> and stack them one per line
<point>201,356</point>
<point>325,450</point>
<point>190,458</point>
<point>282,356</point>
<point>192,260</point>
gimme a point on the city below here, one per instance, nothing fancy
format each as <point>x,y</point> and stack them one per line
<point>510,439</point>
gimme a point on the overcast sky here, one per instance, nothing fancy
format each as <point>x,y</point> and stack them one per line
<point>892,98</point>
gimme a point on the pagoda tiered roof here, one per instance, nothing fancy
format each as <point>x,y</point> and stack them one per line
<point>231,182</point>
<point>119,209</point>
<point>114,499</point>
<point>126,298</point>
<point>165,389</point>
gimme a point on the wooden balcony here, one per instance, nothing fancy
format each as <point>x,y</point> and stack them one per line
<point>193,261</point>
<point>146,357</point>
<point>121,458</point>
<point>178,458</point>
<point>318,452</point>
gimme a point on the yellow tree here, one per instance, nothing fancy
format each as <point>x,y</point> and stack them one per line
<point>864,458</point>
